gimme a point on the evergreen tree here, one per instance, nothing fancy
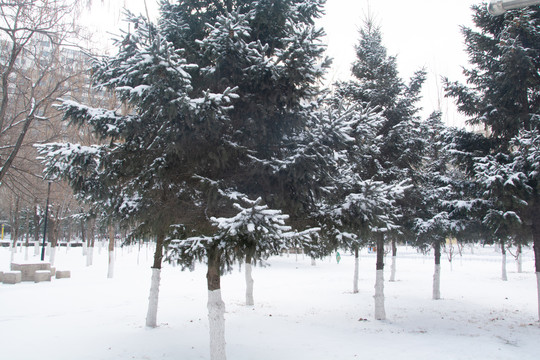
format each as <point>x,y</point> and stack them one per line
<point>378,84</point>
<point>219,91</point>
<point>503,95</point>
<point>131,177</point>
<point>439,180</point>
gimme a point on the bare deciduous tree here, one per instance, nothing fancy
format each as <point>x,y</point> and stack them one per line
<point>32,32</point>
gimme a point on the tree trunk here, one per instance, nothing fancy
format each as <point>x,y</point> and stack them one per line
<point>110,272</point>
<point>27,235</point>
<point>393,266</point>
<point>503,251</point>
<point>356,269</point>
<point>36,223</point>
<point>83,240</point>
<point>53,236</point>
<point>380,313</point>
<point>313,262</point>
<point>437,273</point>
<point>216,306</point>
<point>52,240</point>
<point>536,248</point>
<point>151,315</point>
<point>249,281</point>
<point>519,258</point>
<point>15,230</point>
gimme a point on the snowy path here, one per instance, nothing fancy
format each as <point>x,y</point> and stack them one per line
<point>300,312</point>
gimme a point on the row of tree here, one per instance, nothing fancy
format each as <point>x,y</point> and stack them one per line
<point>227,149</point>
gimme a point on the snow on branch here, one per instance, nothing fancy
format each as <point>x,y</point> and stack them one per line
<point>68,160</point>
<point>256,221</point>
<point>106,123</point>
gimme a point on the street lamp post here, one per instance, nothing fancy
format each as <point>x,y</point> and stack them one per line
<point>499,7</point>
<point>45,224</point>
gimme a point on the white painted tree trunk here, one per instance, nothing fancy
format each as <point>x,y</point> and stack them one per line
<point>356,270</point>
<point>36,248</point>
<point>110,271</point>
<point>313,263</point>
<point>519,263</point>
<point>151,315</point>
<point>13,252</point>
<point>216,319</point>
<point>249,285</point>
<point>504,274</point>
<point>26,253</point>
<point>437,282</point>
<point>538,290</point>
<point>84,248</point>
<point>90,256</point>
<point>52,255</point>
<point>380,313</point>
<point>393,269</point>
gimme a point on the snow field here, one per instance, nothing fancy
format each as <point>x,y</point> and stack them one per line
<point>301,311</point>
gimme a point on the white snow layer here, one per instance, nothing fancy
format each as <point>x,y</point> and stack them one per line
<point>302,312</point>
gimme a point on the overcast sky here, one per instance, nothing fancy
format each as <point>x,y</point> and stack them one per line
<point>421,33</point>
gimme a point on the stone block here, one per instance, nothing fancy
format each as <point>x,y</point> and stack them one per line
<point>11,277</point>
<point>42,275</point>
<point>28,269</point>
<point>53,271</point>
<point>1,276</point>
<point>63,274</point>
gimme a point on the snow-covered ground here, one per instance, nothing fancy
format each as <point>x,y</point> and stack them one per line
<point>301,311</point>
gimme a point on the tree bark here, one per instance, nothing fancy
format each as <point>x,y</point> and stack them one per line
<point>5,167</point>
<point>54,231</point>
<point>110,272</point>
<point>83,240</point>
<point>52,240</point>
<point>394,257</point>
<point>249,281</point>
<point>356,269</point>
<point>380,313</point>
<point>27,234</point>
<point>504,275</point>
<point>437,273</point>
<point>536,248</point>
<point>15,230</point>
<point>153,298</point>
<point>519,258</point>
<point>216,306</point>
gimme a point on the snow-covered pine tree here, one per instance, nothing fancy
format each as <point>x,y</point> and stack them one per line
<point>503,95</point>
<point>505,196</point>
<point>378,84</point>
<point>133,175</point>
<point>526,171</point>
<point>255,232</point>
<point>351,134</point>
<point>439,180</point>
<point>270,52</point>
<point>218,91</point>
